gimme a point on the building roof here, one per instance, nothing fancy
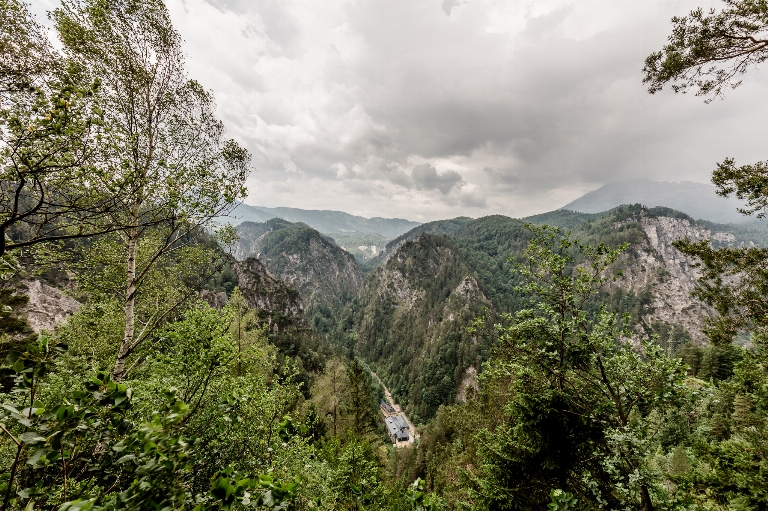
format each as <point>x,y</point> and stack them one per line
<point>397,426</point>
<point>386,406</point>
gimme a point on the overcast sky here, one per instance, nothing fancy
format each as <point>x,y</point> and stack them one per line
<point>427,109</point>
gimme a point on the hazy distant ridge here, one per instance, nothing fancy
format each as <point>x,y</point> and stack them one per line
<point>325,221</point>
<point>698,200</point>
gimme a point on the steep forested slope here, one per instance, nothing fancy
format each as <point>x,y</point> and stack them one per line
<point>326,275</point>
<point>412,314</point>
<point>410,321</point>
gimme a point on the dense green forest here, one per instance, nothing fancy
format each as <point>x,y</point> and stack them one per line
<point>549,363</point>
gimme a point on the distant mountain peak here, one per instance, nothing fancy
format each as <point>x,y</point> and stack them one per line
<point>699,200</point>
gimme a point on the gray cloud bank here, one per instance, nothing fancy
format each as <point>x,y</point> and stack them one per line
<point>432,108</point>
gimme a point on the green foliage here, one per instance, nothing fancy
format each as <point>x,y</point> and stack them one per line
<point>230,491</point>
<point>356,478</point>
<point>718,462</point>
<point>578,385</point>
<point>565,402</point>
<point>710,50</point>
<point>359,400</point>
<point>562,501</point>
<point>147,466</point>
<point>419,500</point>
<point>52,125</point>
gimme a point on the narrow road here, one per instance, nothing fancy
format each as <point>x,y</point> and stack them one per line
<point>398,411</point>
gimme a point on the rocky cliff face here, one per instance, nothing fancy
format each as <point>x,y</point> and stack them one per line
<point>252,238</point>
<point>321,271</point>
<point>264,292</point>
<point>261,291</point>
<point>47,306</point>
<point>668,274</point>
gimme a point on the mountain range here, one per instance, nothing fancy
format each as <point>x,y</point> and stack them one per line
<point>411,315</point>
<point>698,200</point>
<point>373,240</point>
<point>408,316</point>
<point>402,294</point>
<point>325,221</point>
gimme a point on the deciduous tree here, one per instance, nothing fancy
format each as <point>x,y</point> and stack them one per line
<point>51,126</point>
<point>167,148</point>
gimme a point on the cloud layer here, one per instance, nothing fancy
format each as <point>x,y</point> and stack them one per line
<point>436,108</point>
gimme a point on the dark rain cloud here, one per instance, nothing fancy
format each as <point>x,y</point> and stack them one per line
<point>517,106</point>
<point>426,177</point>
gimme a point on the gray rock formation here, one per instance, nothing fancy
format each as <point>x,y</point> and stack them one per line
<point>669,274</point>
<point>216,299</point>
<point>47,306</point>
<point>266,293</point>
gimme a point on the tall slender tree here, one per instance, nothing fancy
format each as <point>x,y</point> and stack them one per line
<point>166,151</point>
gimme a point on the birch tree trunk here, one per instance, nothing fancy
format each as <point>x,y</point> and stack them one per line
<point>126,346</point>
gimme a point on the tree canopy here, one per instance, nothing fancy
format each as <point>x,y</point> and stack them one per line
<point>709,50</point>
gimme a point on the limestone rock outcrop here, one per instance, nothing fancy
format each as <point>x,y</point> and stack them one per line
<point>47,306</point>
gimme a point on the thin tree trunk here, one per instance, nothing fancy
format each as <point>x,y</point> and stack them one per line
<point>130,307</point>
<point>645,498</point>
<point>334,400</point>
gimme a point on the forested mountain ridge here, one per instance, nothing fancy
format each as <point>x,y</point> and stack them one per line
<point>326,276</point>
<point>436,227</point>
<point>411,325</point>
<point>409,322</point>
